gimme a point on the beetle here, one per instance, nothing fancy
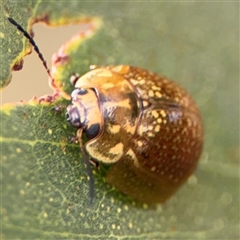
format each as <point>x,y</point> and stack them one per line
<point>145,126</point>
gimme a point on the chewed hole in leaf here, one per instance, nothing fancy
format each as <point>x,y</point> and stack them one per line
<point>32,79</point>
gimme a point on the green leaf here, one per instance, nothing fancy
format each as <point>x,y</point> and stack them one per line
<point>45,188</point>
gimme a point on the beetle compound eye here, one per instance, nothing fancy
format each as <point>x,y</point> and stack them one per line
<point>78,91</point>
<point>73,116</point>
<point>93,130</point>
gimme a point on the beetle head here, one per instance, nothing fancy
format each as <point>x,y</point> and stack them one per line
<point>75,112</point>
<point>84,112</point>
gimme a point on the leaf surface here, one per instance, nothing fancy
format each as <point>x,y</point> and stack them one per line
<point>45,190</point>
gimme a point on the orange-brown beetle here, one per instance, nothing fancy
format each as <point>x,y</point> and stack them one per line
<point>145,125</point>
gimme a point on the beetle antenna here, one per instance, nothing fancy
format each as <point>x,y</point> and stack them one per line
<point>86,161</point>
<point>25,33</point>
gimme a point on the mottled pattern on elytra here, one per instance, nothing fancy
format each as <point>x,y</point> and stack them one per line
<point>167,145</point>
<point>151,86</point>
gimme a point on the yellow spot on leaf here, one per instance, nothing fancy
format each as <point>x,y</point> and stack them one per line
<point>130,225</point>
<point>22,192</point>
<point>18,150</point>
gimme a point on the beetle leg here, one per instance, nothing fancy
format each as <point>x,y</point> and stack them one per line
<point>94,163</point>
<point>59,108</point>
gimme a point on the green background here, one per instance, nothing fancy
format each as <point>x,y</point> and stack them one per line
<point>44,182</point>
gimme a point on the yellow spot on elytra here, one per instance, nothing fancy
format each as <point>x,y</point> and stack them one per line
<point>163,113</point>
<point>133,156</point>
<point>153,169</point>
<point>103,73</point>
<point>155,113</point>
<point>184,130</point>
<point>145,103</point>
<point>150,93</point>
<point>117,149</point>
<point>107,85</point>
<point>50,131</point>
<point>126,207</point>
<point>9,50</point>
<point>124,103</point>
<point>27,184</point>
<point>134,82</point>
<point>155,87</point>
<point>2,35</point>
<point>157,128</point>
<point>142,129</point>
<point>150,127</point>
<point>50,199</point>
<point>114,128</point>
<point>142,82</point>
<point>158,94</point>
<point>150,134</point>
<point>121,69</point>
<point>101,226</point>
<point>164,121</point>
<point>45,215</point>
<point>159,120</point>
<point>113,226</point>
<point>189,122</point>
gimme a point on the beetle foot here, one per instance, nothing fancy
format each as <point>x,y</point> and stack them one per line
<point>58,108</point>
<point>73,139</point>
<point>94,163</point>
